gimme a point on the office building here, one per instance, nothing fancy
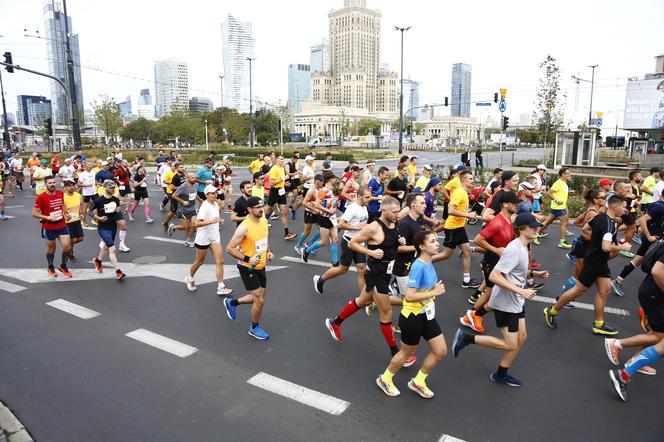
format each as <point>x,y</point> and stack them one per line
<point>200,105</point>
<point>319,56</point>
<point>299,87</point>
<point>461,79</point>
<point>125,107</point>
<point>33,110</point>
<point>144,98</point>
<point>411,99</point>
<point>57,61</point>
<point>171,84</point>
<point>237,45</point>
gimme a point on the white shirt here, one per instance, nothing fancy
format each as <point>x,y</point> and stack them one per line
<point>16,164</point>
<point>67,172</point>
<point>538,195</point>
<point>207,234</point>
<point>659,189</point>
<point>163,169</point>
<point>354,215</point>
<point>308,171</point>
<point>87,179</point>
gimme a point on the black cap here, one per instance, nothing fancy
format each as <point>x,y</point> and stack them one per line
<point>509,197</point>
<point>506,176</point>
<point>68,182</point>
<point>527,219</point>
<point>254,201</point>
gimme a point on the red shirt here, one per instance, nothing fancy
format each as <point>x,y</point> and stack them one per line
<point>344,179</point>
<point>123,176</point>
<point>498,232</point>
<point>52,204</point>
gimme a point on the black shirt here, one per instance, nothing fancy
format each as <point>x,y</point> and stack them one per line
<point>106,206</point>
<point>389,247</point>
<point>603,228</point>
<point>649,287</point>
<point>177,180</point>
<point>496,201</point>
<point>240,207</point>
<point>408,227</point>
<point>400,185</point>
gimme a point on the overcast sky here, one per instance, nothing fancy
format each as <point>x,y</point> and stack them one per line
<point>504,41</point>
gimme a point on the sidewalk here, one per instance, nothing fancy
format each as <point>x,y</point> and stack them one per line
<point>11,429</point>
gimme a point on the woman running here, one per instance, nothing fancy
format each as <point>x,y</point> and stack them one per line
<point>141,193</point>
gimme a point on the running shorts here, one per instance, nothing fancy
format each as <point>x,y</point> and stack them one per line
<point>252,279</point>
<point>455,237</point>
<point>508,319</point>
<point>349,256</point>
<point>416,326</point>
<point>52,235</point>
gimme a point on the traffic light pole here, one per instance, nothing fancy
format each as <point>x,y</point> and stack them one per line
<point>5,134</point>
<point>76,128</point>
<point>501,138</point>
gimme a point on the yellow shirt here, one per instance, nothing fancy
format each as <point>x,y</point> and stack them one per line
<point>255,242</point>
<point>459,199</point>
<point>73,206</point>
<point>422,182</point>
<point>258,192</point>
<point>560,191</point>
<point>276,173</point>
<point>412,172</point>
<point>168,179</point>
<point>38,177</point>
<point>256,165</point>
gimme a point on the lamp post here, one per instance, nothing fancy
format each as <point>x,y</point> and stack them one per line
<point>592,84</point>
<point>207,146</point>
<point>251,107</point>
<point>401,92</point>
<point>221,83</point>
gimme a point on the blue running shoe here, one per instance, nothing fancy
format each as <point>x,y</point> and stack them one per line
<point>571,258</point>
<point>458,343</point>
<point>258,333</point>
<point>231,310</point>
<point>507,380</point>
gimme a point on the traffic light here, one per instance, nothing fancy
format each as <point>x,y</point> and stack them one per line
<point>505,122</point>
<point>8,60</point>
<point>447,103</point>
<point>49,126</point>
<point>495,97</point>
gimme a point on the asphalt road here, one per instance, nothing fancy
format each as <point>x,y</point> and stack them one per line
<point>72,379</point>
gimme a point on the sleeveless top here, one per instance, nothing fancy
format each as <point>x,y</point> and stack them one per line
<point>255,242</point>
<point>389,247</point>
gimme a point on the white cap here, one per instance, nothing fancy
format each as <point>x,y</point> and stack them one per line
<point>428,167</point>
<point>225,157</point>
<point>541,166</point>
<point>308,158</point>
<point>210,189</point>
<point>104,163</point>
<point>526,185</point>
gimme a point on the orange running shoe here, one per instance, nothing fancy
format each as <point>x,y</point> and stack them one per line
<point>97,264</point>
<point>643,320</point>
<point>473,321</point>
<point>65,271</point>
<point>51,272</point>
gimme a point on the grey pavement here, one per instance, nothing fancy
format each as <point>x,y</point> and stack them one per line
<point>72,379</point>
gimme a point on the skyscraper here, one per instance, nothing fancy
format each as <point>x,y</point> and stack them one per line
<point>57,61</point>
<point>33,110</point>
<point>319,56</point>
<point>200,105</point>
<point>299,79</point>
<point>411,98</point>
<point>237,44</point>
<point>144,98</point>
<point>125,107</point>
<point>461,76</point>
<point>171,83</point>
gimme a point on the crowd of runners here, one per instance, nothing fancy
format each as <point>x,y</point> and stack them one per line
<point>387,222</point>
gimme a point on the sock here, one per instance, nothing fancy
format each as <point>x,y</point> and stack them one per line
<point>553,310</point>
<point>571,282</point>
<point>466,277</point>
<point>626,271</point>
<point>562,241</point>
<point>350,308</point>
<point>502,371</point>
<point>234,302</point>
<point>388,334</point>
<point>49,259</point>
<point>2,213</point>
<point>387,376</point>
<point>421,378</point>
<point>123,235</point>
<point>132,209</point>
<point>65,258</point>
<point>334,252</point>
<point>468,339</point>
<point>164,201</point>
<point>300,240</point>
<point>646,357</point>
<point>254,324</point>
<point>314,246</point>
<point>480,311</point>
<point>147,211</point>
<point>598,323</point>
<point>285,231</point>
<point>314,237</point>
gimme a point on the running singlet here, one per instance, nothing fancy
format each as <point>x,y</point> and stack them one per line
<point>254,244</point>
<point>423,278</point>
<point>352,191</point>
<point>312,201</point>
<point>73,204</point>
<point>326,197</point>
<point>52,206</point>
<point>389,246</point>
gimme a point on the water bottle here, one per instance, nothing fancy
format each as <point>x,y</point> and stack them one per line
<point>251,268</point>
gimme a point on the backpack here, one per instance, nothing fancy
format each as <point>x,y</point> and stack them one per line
<point>653,253</point>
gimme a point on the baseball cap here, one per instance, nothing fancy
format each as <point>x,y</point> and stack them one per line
<point>104,163</point>
<point>68,182</point>
<point>509,197</point>
<point>432,182</point>
<point>527,219</point>
<point>43,161</point>
<point>428,167</point>
<point>461,168</point>
<point>254,201</point>
<point>225,157</point>
<point>541,167</point>
<point>606,182</point>
<point>506,176</point>
<point>210,189</point>
<point>308,158</point>
<point>109,183</point>
<point>526,185</point>
<point>355,168</point>
<point>68,159</point>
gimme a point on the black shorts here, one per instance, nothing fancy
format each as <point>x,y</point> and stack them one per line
<point>90,198</point>
<point>274,198</point>
<point>643,248</point>
<point>174,205</point>
<point>628,219</point>
<point>509,320</point>
<point>310,218</point>
<point>455,237</point>
<point>349,256</point>
<point>202,246</point>
<point>75,229</point>
<point>653,306</point>
<point>124,192</point>
<point>488,263</point>
<point>591,271</point>
<point>252,279</point>
<point>295,185</point>
<point>221,196</point>
<point>379,281</point>
<point>415,326</point>
<point>139,193</point>
<point>324,222</point>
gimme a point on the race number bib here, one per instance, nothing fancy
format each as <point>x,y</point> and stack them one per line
<point>144,184</point>
<point>121,187</point>
<point>192,196</point>
<point>282,192</point>
<point>430,310</point>
<point>110,207</point>
<point>400,195</point>
<point>73,216</point>
<point>261,245</point>
<point>390,266</point>
<point>56,215</point>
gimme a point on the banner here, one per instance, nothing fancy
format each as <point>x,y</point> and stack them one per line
<point>644,104</point>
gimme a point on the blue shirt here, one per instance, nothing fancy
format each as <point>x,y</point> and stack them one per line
<point>430,203</point>
<point>203,174</point>
<point>524,207</point>
<point>422,275</point>
<point>377,189</point>
<point>104,175</point>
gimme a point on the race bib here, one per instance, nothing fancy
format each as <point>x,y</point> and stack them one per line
<point>192,196</point>
<point>430,310</point>
<point>110,207</point>
<point>334,220</point>
<point>400,195</point>
<point>73,216</point>
<point>144,184</point>
<point>282,192</point>
<point>121,187</point>
<point>261,245</point>
<point>56,215</point>
<point>390,266</point>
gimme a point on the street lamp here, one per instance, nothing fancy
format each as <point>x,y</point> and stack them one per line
<point>251,108</point>
<point>207,146</point>
<point>221,83</point>
<point>401,92</point>
<point>592,84</point>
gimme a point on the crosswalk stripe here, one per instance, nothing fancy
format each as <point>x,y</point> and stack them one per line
<point>158,238</point>
<point>298,393</point>
<point>584,306</point>
<point>162,343</point>
<point>14,207</point>
<point>448,438</point>
<point>11,288</point>
<point>313,262</point>
<point>73,309</point>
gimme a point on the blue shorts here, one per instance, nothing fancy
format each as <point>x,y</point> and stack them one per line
<point>108,236</point>
<point>558,212</point>
<point>52,235</point>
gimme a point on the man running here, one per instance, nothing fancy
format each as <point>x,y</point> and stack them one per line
<point>368,172</point>
<point>310,217</point>
<point>185,199</point>
<point>73,215</point>
<point>86,183</point>
<point>249,245</point>
<point>350,187</point>
<point>49,208</point>
<point>398,186</point>
<point>240,210</point>
<point>327,221</point>
<point>277,196</point>
<point>377,187</point>
<point>409,225</point>
<point>293,172</point>
<point>204,176</point>
<point>559,192</point>
<point>107,211</point>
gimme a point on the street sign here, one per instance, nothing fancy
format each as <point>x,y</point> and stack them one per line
<point>598,122</point>
<point>599,115</point>
<point>483,103</point>
<point>502,106</point>
<point>503,91</point>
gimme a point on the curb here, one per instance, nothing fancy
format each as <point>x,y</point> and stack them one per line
<point>11,429</point>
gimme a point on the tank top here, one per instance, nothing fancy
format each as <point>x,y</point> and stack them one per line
<point>327,199</point>
<point>389,246</point>
<point>255,242</point>
<point>352,191</point>
<point>311,201</point>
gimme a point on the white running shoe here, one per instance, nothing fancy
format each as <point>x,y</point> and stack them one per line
<point>124,248</point>
<point>191,285</point>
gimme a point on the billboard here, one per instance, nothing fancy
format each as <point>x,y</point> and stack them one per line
<point>644,104</point>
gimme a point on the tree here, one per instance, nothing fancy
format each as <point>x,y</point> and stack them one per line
<point>549,113</point>
<point>366,126</point>
<point>107,116</point>
<point>139,129</point>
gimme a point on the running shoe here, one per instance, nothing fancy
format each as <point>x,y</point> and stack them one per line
<point>568,233</point>
<point>51,272</point>
<point>508,379</point>
<point>171,229</point>
<point>564,245</point>
<point>65,271</point>
<point>618,384</point>
<point>612,350</point>
<point>472,299</point>
<point>393,287</point>
<point>422,390</point>
<point>471,284</point>
<point>124,248</point>
<point>149,221</point>
<point>290,236</point>
<point>370,309</point>
<point>387,387</point>
<point>535,285</point>
<point>637,240</point>
<point>191,285</point>
<point>410,361</point>
<point>97,265</point>
<point>119,275</point>
<point>459,342</point>
<point>72,258</point>
<point>568,305</point>
<point>646,369</point>
<point>617,288</point>
<point>334,329</point>
<point>536,241</point>
<point>472,321</point>
<point>305,255</point>
<point>231,310</point>
<point>131,217</point>
<point>222,290</point>
<point>4,217</point>
<point>604,330</point>
<point>165,227</point>
<point>189,244</point>
<point>396,328</point>
<point>571,258</point>
<point>318,286</point>
<point>543,235</point>
<point>643,320</point>
<point>258,333</point>
<point>298,249</point>
<point>161,207</point>
<point>275,216</point>
<point>627,254</point>
<point>550,319</point>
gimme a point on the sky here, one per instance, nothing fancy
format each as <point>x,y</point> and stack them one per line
<point>504,41</point>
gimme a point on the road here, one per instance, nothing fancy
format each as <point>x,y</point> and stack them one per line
<point>182,373</point>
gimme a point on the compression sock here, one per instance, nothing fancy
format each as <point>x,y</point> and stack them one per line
<point>254,324</point>
<point>388,334</point>
<point>334,252</point>
<point>300,240</point>
<point>421,378</point>
<point>65,258</point>
<point>349,309</point>
<point>553,310</point>
<point>123,235</point>
<point>646,357</point>
<point>502,371</point>
<point>132,209</point>
<point>314,246</point>
<point>49,259</point>
<point>234,302</point>
<point>285,231</point>
<point>314,237</point>
<point>626,271</point>
<point>147,211</point>
<point>468,339</point>
<point>598,323</point>
<point>480,311</point>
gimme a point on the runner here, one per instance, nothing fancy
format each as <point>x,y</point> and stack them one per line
<point>507,300</point>
<point>412,172</point>
<point>16,164</point>
<point>603,242</point>
<point>73,214</point>
<point>207,223</point>
<point>204,176</point>
<point>228,182</point>
<point>165,173</point>
<point>278,195</point>
<point>123,177</point>
<point>540,187</point>
<point>368,172</point>
<point>497,173</point>
<point>240,211</point>
<point>49,209</point>
<point>184,198</point>
<point>423,180</point>
<point>559,192</point>
<point>3,217</point>
<point>249,245</point>
<point>648,188</point>
<point>307,238</point>
<point>174,179</point>
<point>33,164</point>
<point>107,211</point>
<point>417,319</point>
<point>66,172</point>
<point>509,182</point>
<point>431,193</point>
<point>86,184</point>
<point>628,225</point>
<point>409,226</point>
<point>294,183</point>
<point>327,221</point>
<point>377,187</point>
<point>453,183</point>
<point>141,193</point>
<point>39,176</point>
<point>257,164</point>
<point>351,222</point>
<point>308,173</point>
<point>398,186</point>
<point>349,187</point>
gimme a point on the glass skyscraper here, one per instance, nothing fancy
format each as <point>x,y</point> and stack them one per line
<point>299,86</point>
<point>461,76</point>
<point>319,56</point>
<point>33,110</point>
<point>237,44</point>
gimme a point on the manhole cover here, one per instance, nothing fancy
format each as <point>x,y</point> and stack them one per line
<point>150,259</point>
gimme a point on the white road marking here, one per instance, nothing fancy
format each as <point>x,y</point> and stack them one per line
<point>14,207</point>
<point>313,262</point>
<point>584,306</point>
<point>9,217</point>
<point>11,288</point>
<point>448,438</point>
<point>158,238</point>
<point>73,309</point>
<point>162,343</point>
<point>89,228</point>
<point>298,393</point>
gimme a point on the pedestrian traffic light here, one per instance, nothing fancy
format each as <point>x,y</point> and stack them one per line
<point>505,122</point>
<point>8,60</point>
<point>447,103</point>
<point>49,126</point>
<point>495,97</point>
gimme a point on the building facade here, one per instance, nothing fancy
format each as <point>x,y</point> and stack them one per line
<point>200,105</point>
<point>411,99</point>
<point>144,98</point>
<point>461,83</point>
<point>54,24</point>
<point>237,44</point>
<point>33,110</point>
<point>125,108</point>
<point>332,122</point>
<point>299,86</point>
<point>319,56</point>
<point>171,82</point>
<point>451,130</point>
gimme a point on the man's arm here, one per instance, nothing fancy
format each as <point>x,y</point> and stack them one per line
<point>232,247</point>
<point>364,235</point>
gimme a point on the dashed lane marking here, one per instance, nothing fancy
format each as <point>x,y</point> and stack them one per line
<point>73,309</point>
<point>162,343</point>
<point>14,207</point>
<point>313,262</point>
<point>448,438</point>
<point>11,288</point>
<point>298,393</point>
<point>158,238</point>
